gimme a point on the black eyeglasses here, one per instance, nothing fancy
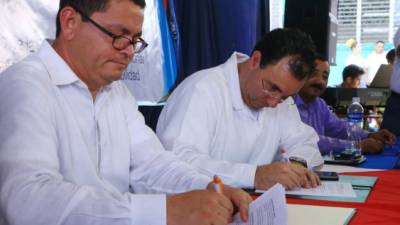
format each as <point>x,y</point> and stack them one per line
<point>273,94</point>
<point>120,42</point>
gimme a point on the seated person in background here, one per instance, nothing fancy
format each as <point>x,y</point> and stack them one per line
<point>332,131</point>
<point>73,147</point>
<point>351,76</point>
<point>391,116</point>
<point>391,56</point>
<point>232,120</point>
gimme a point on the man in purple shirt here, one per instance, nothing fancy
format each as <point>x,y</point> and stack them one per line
<point>332,131</point>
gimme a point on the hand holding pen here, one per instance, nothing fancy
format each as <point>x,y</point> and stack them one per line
<point>201,207</point>
<point>239,198</point>
<point>310,179</point>
<point>218,185</point>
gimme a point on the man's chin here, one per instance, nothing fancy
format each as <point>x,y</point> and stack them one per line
<point>309,96</point>
<point>117,66</point>
<point>257,106</point>
<point>317,92</point>
<point>114,75</point>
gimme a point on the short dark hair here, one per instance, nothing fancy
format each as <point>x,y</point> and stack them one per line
<point>352,71</point>
<point>379,41</point>
<point>88,7</point>
<point>321,57</point>
<point>280,43</point>
<point>391,56</point>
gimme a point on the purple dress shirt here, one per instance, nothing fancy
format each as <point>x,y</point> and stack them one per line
<point>332,131</point>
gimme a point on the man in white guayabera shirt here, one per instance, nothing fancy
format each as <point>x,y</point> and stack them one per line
<point>234,119</point>
<point>73,147</point>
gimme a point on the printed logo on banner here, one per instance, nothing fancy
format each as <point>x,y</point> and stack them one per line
<point>144,74</point>
<point>133,74</point>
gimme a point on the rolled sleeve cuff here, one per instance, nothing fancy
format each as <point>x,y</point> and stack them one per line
<point>149,209</point>
<point>247,176</point>
<point>315,161</point>
<point>201,183</point>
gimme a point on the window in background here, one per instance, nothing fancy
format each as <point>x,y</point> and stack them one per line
<point>365,21</point>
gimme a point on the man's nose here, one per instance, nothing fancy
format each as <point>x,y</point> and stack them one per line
<point>128,51</point>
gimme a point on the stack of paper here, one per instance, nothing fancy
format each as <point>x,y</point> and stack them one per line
<point>268,209</point>
<point>317,215</point>
<point>328,189</point>
<point>271,208</point>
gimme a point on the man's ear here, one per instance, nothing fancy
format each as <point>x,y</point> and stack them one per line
<point>255,59</point>
<point>69,22</point>
<point>348,80</point>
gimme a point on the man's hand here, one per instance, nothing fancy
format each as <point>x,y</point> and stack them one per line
<point>239,198</point>
<point>384,136</point>
<point>199,208</point>
<point>207,207</point>
<point>311,180</point>
<point>290,175</point>
<point>371,146</point>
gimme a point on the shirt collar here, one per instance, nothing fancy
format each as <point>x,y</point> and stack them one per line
<point>59,71</point>
<point>232,76</point>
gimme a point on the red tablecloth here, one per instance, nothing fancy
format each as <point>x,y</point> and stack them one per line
<point>382,206</point>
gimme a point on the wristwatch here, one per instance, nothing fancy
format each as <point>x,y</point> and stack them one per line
<point>302,161</point>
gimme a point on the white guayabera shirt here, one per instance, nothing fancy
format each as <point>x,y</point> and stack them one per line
<point>206,123</point>
<point>65,159</point>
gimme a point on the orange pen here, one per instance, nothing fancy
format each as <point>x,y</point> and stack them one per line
<point>218,185</point>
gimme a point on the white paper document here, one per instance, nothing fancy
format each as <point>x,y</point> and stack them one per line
<point>329,188</point>
<point>268,209</point>
<point>317,215</point>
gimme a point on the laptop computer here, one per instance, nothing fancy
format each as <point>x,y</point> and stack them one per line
<point>382,77</point>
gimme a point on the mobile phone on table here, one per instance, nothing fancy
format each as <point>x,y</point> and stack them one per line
<point>327,175</point>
